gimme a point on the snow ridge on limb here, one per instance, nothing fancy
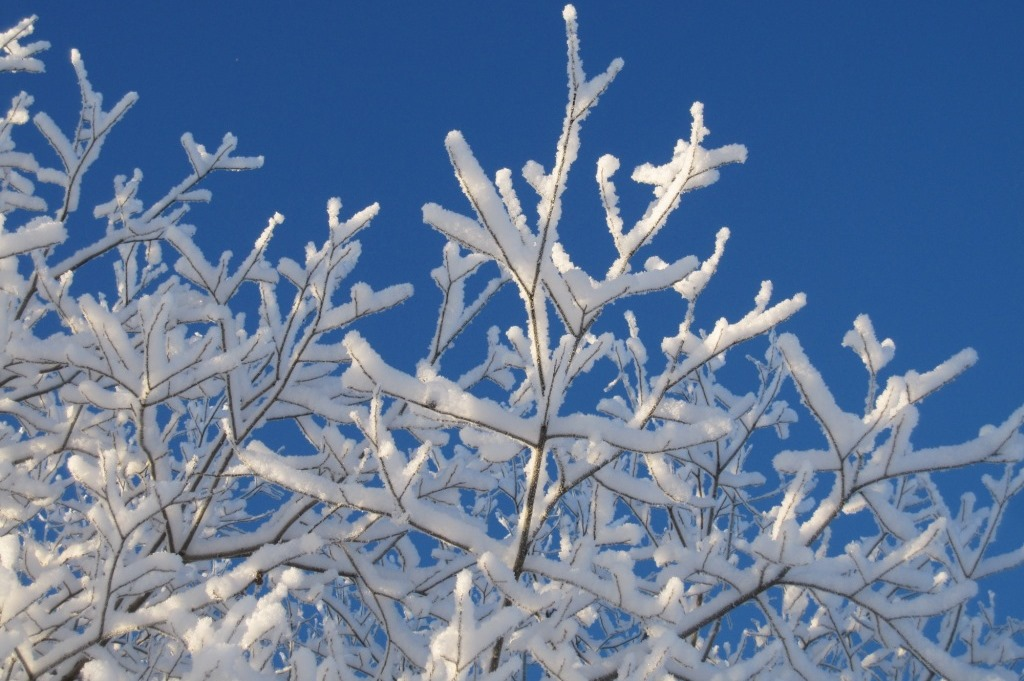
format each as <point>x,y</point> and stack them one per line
<point>691,167</point>
<point>14,56</point>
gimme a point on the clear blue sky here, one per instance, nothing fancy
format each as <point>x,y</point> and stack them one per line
<point>886,170</point>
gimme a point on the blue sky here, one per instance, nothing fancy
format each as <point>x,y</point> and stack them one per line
<point>885,172</point>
